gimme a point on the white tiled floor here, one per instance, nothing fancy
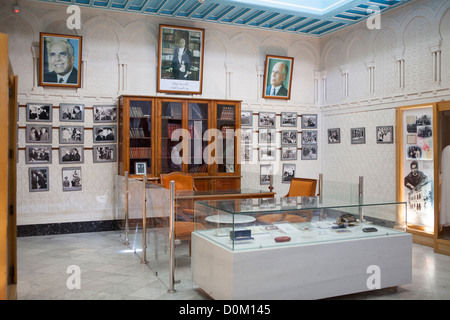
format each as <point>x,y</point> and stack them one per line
<point>109,270</point>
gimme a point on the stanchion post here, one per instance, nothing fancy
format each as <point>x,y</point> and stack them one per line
<point>126,207</point>
<point>144,221</point>
<point>320,188</point>
<point>361,198</point>
<point>172,238</point>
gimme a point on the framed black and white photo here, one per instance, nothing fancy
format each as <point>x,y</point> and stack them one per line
<point>38,179</point>
<point>288,172</point>
<point>38,154</point>
<point>71,112</point>
<point>107,113</point>
<point>104,153</point>
<point>288,119</point>
<point>141,168</point>
<point>334,135</point>
<point>288,202</point>
<point>37,133</point>
<point>266,202</point>
<point>71,179</point>
<point>71,154</point>
<point>266,136</point>
<point>288,153</point>
<point>266,153</point>
<point>60,60</point>
<point>309,152</point>
<point>309,137</point>
<point>246,118</point>
<point>39,112</point>
<point>278,77</point>
<point>358,135</point>
<point>71,134</point>
<point>309,121</point>
<point>266,119</point>
<point>105,133</point>
<point>247,152</point>
<point>180,59</point>
<point>246,136</point>
<point>266,174</point>
<point>289,137</point>
<point>385,134</point>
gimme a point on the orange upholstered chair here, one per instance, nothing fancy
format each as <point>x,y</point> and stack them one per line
<point>300,187</point>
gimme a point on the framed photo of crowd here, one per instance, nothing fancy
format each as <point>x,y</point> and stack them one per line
<point>60,60</point>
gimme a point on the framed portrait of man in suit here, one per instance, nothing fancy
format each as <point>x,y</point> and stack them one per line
<point>180,59</point>
<point>60,60</point>
<point>278,77</point>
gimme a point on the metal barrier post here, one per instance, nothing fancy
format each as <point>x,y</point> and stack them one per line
<point>361,198</point>
<point>144,222</point>
<point>320,188</point>
<point>126,208</point>
<point>172,238</point>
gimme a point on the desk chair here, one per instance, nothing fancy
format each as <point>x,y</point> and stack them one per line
<point>184,213</point>
<point>300,187</point>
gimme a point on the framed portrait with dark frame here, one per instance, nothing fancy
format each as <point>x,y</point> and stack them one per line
<point>309,121</point>
<point>39,112</point>
<point>246,118</point>
<point>106,113</point>
<point>71,179</point>
<point>288,172</point>
<point>60,62</point>
<point>105,133</point>
<point>288,119</point>
<point>37,133</point>
<point>334,135</point>
<point>71,134</point>
<point>38,179</point>
<point>71,154</point>
<point>266,119</point>
<point>104,153</point>
<point>278,77</point>
<point>71,112</point>
<point>38,154</point>
<point>180,59</point>
<point>358,135</point>
<point>385,134</point>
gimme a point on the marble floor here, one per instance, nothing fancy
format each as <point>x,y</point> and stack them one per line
<point>111,270</point>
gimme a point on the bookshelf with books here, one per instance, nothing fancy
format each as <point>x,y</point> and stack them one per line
<point>173,134</point>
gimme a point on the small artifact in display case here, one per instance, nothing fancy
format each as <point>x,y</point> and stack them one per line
<point>282,239</point>
<point>241,235</point>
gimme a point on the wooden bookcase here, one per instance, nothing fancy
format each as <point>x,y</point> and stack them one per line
<point>151,132</point>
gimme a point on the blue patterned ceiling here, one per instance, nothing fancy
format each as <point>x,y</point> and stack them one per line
<point>305,17</point>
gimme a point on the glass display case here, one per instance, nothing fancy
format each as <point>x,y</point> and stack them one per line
<point>247,224</point>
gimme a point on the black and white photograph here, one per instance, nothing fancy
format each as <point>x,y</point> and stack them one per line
<point>267,202</point>
<point>38,154</point>
<point>141,168</point>
<point>266,153</point>
<point>105,133</point>
<point>71,179</point>
<point>288,202</point>
<point>334,135</point>
<point>266,136</point>
<point>71,154</point>
<point>246,118</point>
<point>385,134</point>
<point>71,134</point>
<point>266,119</point>
<point>104,153</point>
<point>38,112</point>
<point>71,112</point>
<point>247,152</point>
<point>265,174</point>
<point>36,133</point>
<point>289,137</point>
<point>288,153</point>
<point>247,136</point>
<point>309,137</point>
<point>107,113</point>
<point>309,152</point>
<point>288,119</point>
<point>358,135</point>
<point>288,172</point>
<point>38,179</point>
<point>309,121</point>
<point>246,204</point>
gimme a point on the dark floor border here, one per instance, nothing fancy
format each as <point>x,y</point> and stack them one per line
<point>67,227</point>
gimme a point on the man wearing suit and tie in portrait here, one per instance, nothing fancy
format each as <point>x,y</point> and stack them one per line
<point>276,87</point>
<point>278,77</point>
<point>61,60</point>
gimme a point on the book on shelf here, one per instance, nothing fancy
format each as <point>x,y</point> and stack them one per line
<point>227,113</point>
<point>137,133</point>
<point>140,152</point>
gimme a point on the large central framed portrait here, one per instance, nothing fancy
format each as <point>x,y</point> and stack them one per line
<point>180,59</point>
<point>60,60</point>
<point>278,77</point>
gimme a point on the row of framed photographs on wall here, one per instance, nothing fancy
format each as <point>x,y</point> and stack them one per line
<point>384,134</point>
<point>39,179</point>
<point>39,133</point>
<point>288,153</point>
<point>74,112</point>
<point>42,154</point>
<point>288,119</point>
<point>288,137</point>
<point>266,173</point>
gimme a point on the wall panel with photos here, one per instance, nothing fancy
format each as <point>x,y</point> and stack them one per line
<point>291,141</point>
<point>43,134</point>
